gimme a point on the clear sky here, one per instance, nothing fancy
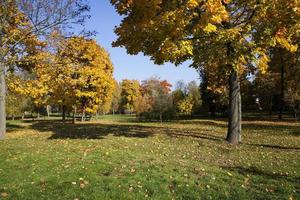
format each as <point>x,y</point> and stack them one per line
<point>104,19</point>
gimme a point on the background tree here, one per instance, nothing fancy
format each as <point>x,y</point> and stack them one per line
<point>17,104</point>
<point>131,91</point>
<point>91,73</point>
<point>157,96</point>
<point>116,98</point>
<point>193,90</point>
<point>186,105</point>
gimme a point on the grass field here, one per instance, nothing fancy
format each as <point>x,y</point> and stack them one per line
<point>119,158</point>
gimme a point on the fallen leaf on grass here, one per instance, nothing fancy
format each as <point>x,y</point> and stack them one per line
<point>4,194</point>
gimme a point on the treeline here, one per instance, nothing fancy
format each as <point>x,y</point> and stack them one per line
<point>153,99</point>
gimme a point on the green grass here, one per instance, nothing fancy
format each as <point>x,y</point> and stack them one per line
<point>119,158</point>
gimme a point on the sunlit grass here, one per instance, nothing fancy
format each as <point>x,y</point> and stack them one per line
<point>120,158</point>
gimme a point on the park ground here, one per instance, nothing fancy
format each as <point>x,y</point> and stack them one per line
<point>116,157</point>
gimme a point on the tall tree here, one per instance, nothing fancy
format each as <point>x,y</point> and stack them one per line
<point>90,74</point>
<point>130,93</point>
<point>194,92</point>
<point>229,34</point>
<point>116,99</point>
<point>158,92</point>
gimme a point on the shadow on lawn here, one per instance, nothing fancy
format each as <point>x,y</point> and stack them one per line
<point>272,146</point>
<point>286,129</point>
<point>99,131</point>
<point>253,171</point>
<point>68,130</point>
<point>13,127</point>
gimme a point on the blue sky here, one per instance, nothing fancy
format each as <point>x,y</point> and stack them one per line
<point>104,19</point>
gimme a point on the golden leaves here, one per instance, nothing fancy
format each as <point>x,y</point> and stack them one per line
<point>210,28</point>
<point>4,194</point>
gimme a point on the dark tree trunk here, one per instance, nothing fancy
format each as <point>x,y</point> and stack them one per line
<point>160,117</point>
<point>281,106</point>
<point>235,110</point>
<point>38,113</point>
<point>213,109</point>
<point>271,107</point>
<point>64,113</point>
<point>2,102</point>
<point>74,115</point>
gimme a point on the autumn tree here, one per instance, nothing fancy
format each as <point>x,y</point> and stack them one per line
<point>17,104</point>
<point>90,75</point>
<point>116,98</point>
<point>21,23</point>
<point>193,90</point>
<point>186,105</point>
<point>157,96</point>
<point>230,35</point>
<point>130,93</point>
<point>186,97</point>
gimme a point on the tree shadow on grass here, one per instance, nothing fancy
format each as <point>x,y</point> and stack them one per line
<point>192,134</point>
<point>273,128</point>
<point>289,128</point>
<point>13,127</point>
<point>68,130</point>
<point>97,130</point>
<point>273,146</point>
<point>253,171</point>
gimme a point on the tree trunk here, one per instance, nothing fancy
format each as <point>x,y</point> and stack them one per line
<point>74,115</point>
<point>48,108</point>
<point>160,117</point>
<point>38,114</point>
<point>281,106</point>
<point>235,110</point>
<point>64,113</point>
<point>83,115</point>
<point>2,102</point>
<point>271,107</point>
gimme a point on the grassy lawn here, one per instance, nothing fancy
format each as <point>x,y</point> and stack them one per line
<point>119,158</point>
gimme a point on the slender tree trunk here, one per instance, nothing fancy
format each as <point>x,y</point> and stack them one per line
<point>38,113</point>
<point>271,107</point>
<point>74,115</point>
<point>2,102</point>
<point>83,116</point>
<point>295,112</point>
<point>48,108</point>
<point>160,118</point>
<point>235,111</point>
<point>281,106</point>
<point>64,113</point>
